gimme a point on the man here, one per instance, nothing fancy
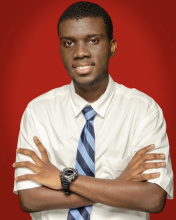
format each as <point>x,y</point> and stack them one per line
<point>110,152</point>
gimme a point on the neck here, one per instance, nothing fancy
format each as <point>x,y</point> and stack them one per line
<point>92,93</point>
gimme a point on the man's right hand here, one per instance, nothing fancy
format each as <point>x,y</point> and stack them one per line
<point>134,170</point>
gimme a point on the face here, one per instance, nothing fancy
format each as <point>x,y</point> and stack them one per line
<point>85,50</point>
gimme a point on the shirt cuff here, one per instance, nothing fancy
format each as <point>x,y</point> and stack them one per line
<point>25,184</point>
<point>163,181</point>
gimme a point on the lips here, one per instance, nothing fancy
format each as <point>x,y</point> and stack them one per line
<point>83,68</point>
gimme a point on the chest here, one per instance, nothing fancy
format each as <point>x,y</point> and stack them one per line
<point>113,140</point>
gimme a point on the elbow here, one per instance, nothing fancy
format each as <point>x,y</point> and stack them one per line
<point>26,204</point>
<point>25,207</point>
<point>157,203</point>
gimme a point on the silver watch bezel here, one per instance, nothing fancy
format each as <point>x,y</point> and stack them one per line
<point>69,178</point>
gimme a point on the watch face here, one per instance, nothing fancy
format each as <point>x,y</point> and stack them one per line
<point>70,173</point>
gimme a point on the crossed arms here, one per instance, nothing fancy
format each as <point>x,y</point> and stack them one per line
<point>130,190</point>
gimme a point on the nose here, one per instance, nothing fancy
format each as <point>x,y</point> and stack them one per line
<point>81,51</point>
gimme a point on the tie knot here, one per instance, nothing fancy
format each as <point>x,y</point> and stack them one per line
<point>89,113</point>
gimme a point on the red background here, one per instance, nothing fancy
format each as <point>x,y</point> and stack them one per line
<point>30,65</point>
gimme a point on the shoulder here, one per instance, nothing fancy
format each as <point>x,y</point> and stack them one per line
<point>137,100</point>
<point>50,98</point>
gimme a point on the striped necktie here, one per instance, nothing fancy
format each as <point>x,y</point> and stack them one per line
<point>85,160</point>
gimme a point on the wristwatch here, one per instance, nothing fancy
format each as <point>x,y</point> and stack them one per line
<point>67,176</point>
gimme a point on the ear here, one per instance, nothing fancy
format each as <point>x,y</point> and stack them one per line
<point>113,45</point>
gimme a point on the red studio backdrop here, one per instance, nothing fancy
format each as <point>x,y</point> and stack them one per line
<point>30,65</point>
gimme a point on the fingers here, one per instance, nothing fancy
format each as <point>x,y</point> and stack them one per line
<point>145,177</point>
<point>148,157</point>
<point>31,154</point>
<point>27,164</point>
<point>143,151</point>
<point>42,150</point>
<point>26,177</point>
<point>147,166</point>
<point>138,165</point>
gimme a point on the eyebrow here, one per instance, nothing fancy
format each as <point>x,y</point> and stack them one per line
<point>88,36</point>
<point>67,38</point>
<point>94,35</point>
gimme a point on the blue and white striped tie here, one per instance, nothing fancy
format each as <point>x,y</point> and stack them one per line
<point>85,160</point>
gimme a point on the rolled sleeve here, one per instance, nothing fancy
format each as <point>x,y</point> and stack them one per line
<point>25,140</point>
<point>152,130</point>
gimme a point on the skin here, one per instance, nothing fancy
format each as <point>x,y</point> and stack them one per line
<point>90,190</point>
<point>85,43</point>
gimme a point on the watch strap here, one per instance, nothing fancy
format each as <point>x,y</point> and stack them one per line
<point>66,186</point>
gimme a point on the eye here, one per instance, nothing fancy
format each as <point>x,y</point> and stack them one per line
<point>69,44</point>
<point>94,41</point>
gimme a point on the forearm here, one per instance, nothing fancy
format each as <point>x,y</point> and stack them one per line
<point>141,196</point>
<point>43,198</point>
<point>124,193</point>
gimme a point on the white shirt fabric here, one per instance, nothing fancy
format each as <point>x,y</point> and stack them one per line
<point>126,121</point>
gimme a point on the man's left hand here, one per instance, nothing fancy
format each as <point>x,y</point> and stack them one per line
<point>45,172</point>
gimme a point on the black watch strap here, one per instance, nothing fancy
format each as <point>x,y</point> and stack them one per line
<point>66,186</point>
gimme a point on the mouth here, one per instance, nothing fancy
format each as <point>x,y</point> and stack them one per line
<point>83,69</point>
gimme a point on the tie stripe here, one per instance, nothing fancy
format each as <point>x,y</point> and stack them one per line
<point>83,165</point>
<point>91,128</point>
<point>75,214</point>
<point>87,146</point>
<point>81,171</point>
<point>85,160</point>
<point>86,109</point>
<point>84,213</point>
<point>90,139</point>
<point>89,208</point>
<point>89,115</point>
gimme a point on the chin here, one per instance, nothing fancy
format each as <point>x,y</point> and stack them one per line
<point>90,82</point>
<point>83,83</point>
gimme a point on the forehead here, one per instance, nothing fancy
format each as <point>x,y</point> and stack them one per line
<point>82,27</point>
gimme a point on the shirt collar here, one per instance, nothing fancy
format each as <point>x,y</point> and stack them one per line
<point>100,106</point>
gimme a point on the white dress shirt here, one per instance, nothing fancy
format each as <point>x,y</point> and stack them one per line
<point>126,121</point>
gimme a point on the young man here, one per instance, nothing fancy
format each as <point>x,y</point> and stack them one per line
<point>104,128</point>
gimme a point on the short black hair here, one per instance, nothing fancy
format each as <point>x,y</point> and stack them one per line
<point>82,9</point>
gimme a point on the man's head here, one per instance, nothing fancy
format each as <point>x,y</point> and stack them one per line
<point>86,43</point>
<point>80,10</point>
